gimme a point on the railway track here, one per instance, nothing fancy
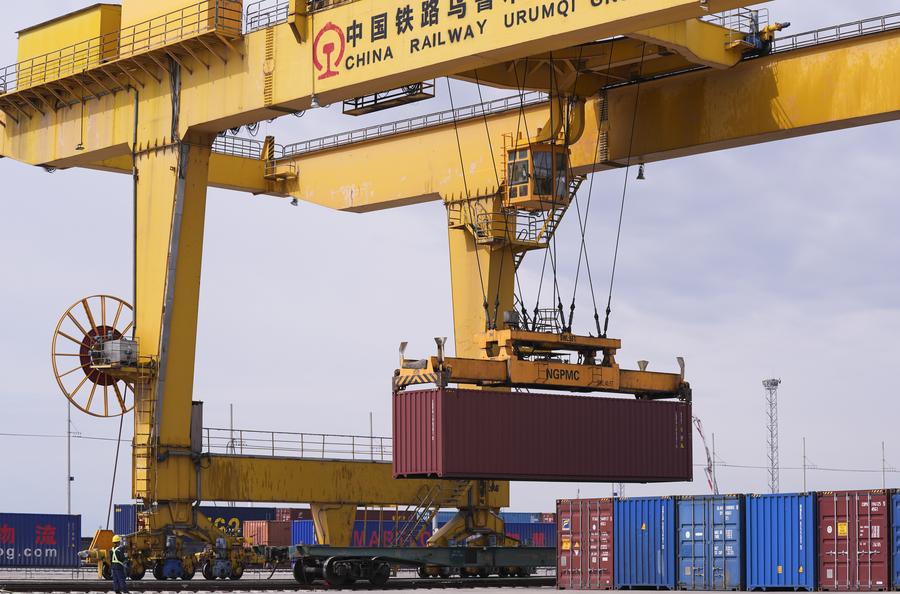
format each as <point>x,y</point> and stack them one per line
<point>279,585</point>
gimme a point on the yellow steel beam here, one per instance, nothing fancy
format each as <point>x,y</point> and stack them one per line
<point>698,41</point>
<point>347,67</point>
<point>264,479</point>
<point>819,89</point>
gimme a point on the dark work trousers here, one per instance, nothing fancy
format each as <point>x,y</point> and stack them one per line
<point>118,572</point>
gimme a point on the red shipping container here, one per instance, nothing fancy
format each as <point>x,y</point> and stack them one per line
<point>854,541</point>
<point>474,434</point>
<point>268,533</point>
<point>585,544</point>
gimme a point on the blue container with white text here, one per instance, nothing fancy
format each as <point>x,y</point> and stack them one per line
<point>644,543</point>
<point>781,542</point>
<point>49,541</point>
<point>711,542</point>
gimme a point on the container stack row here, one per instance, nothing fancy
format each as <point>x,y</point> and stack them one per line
<point>831,541</point>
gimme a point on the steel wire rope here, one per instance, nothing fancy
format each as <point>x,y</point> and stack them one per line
<point>612,276</point>
<point>516,282</point>
<point>112,488</point>
<point>582,223</point>
<point>468,201</point>
<point>522,119</point>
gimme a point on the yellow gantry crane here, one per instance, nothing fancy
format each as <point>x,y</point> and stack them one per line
<point>146,88</point>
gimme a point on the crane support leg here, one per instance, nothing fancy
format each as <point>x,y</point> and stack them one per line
<point>170,207</point>
<point>334,523</point>
<point>481,271</point>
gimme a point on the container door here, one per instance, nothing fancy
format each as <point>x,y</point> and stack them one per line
<point>600,546</point>
<point>871,524</point>
<point>692,545</point>
<point>570,564</point>
<point>725,519</point>
<point>834,535</point>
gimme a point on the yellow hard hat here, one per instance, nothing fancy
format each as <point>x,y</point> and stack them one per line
<point>117,538</point>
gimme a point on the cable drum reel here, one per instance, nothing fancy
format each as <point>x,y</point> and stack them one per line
<point>89,345</point>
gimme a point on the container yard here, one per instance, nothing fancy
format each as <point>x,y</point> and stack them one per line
<point>618,260</point>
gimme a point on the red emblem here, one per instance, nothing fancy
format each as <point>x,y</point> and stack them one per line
<point>329,41</point>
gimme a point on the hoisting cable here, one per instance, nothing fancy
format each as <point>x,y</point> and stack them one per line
<point>516,282</point>
<point>112,488</point>
<point>582,223</point>
<point>554,85</point>
<point>462,167</point>
<point>612,276</point>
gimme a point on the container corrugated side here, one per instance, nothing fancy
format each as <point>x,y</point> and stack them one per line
<point>854,542</point>
<point>270,533</point>
<point>644,543</point>
<point>450,433</point>
<point>532,534</point>
<point>125,518</point>
<point>895,538</point>
<point>365,534</point>
<point>710,542</point>
<point>781,542</point>
<point>39,540</point>
<point>585,552</point>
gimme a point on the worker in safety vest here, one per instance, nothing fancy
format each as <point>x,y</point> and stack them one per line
<point>118,559</point>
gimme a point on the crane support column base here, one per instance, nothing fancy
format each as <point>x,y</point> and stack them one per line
<point>334,523</point>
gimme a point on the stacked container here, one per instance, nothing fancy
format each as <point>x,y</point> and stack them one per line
<point>781,542</point>
<point>269,533</point>
<point>710,542</point>
<point>895,537</point>
<point>39,540</point>
<point>644,543</point>
<point>854,547</point>
<point>585,551</point>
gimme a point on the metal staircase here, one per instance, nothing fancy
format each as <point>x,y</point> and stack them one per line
<point>421,515</point>
<point>539,233</point>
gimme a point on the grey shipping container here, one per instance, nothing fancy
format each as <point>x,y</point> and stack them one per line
<point>644,543</point>
<point>781,542</point>
<point>39,540</point>
<point>450,433</point>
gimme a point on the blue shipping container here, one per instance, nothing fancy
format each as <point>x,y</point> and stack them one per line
<point>895,534</point>
<point>710,542</point>
<point>532,534</point>
<point>229,519</point>
<point>365,534</point>
<point>781,542</point>
<point>517,517</point>
<point>39,540</point>
<point>644,543</point>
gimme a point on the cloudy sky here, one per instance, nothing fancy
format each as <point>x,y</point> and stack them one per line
<point>771,261</point>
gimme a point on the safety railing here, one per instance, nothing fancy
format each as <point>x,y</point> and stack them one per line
<point>265,13</point>
<point>312,446</point>
<point>415,123</point>
<point>208,16</point>
<point>742,20</point>
<point>238,146</point>
<point>872,26</point>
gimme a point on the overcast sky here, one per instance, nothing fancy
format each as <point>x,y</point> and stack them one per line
<point>771,261</point>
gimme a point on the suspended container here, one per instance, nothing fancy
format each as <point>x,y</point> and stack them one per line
<point>644,543</point>
<point>710,542</point>
<point>585,549</point>
<point>781,542</point>
<point>454,434</point>
<point>854,541</point>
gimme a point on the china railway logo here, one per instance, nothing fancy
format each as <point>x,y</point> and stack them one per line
<point>330,42</point>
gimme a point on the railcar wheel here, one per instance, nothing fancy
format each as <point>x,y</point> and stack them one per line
<point>158,571</point>
<point>206,571</point>
<point>137,572</point>
<point>380,575</point>
<point>237,572</point>
<point>106,571</point>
